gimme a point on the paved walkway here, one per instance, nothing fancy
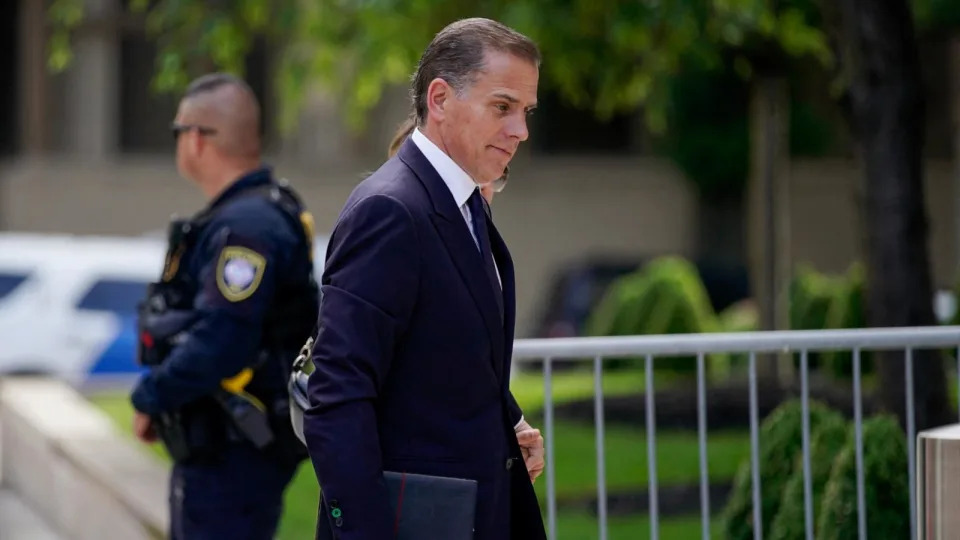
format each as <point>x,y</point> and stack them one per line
<point>19,522</point>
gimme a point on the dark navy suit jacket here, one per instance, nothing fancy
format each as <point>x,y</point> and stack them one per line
<point>413,359</point>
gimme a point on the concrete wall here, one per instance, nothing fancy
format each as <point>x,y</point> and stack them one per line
<point>825,223</point>
<point>555,210</point>
<point>66,460</point>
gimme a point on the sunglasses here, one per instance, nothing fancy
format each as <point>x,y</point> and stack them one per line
<point>178,129</point>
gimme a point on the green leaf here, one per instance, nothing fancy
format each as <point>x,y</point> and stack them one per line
<point>606,56</point>
<point>65,13</point>
<point>799,39</point>
<point>138,6</point>
<point>228,45</point>
<point>255,13</point>
<point>171,75</point>
<point>59,55</point>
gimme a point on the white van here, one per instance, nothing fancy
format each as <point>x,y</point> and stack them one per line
<point>68,303</point>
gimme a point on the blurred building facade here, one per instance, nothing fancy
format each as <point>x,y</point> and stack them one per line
<point>88,151</point>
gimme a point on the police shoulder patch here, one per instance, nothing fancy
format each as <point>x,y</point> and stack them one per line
<point>239,272</point>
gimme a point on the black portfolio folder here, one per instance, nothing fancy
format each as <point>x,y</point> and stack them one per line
<point>422,507</point>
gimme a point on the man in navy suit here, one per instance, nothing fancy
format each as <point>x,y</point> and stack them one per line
<point>417,314</point>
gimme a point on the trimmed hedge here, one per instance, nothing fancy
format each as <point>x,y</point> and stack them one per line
<point>821,301</point>
<point>886,484</point>
<point>667,296</point>
<point>781,443</point>
<point>833,479</point>
<point>826,442</point>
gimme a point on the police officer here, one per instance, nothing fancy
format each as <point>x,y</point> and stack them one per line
<point>219,330</point>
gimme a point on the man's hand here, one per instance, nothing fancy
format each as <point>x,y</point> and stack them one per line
<point>143,428</point>
<point>531,446</point>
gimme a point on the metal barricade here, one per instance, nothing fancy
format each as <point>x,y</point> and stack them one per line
<point>555,350</point>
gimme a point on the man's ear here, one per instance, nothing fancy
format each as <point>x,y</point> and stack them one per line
<point>438,95</point>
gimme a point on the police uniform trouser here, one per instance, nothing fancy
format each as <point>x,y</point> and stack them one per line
<point>239,497</point>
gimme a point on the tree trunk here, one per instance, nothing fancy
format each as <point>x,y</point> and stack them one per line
<point>33,78</point>
<point>954,74</point>
<point>886,112</point>
<point>768,235</point>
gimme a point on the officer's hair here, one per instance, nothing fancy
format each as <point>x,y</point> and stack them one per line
<point>238,114</point>
<point>458,52</point>
<point>214,81</point>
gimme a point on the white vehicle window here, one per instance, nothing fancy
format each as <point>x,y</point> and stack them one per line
<point>9,282</point>
<point>114,295</point>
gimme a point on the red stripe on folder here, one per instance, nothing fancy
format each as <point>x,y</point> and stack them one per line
<point>396,523</point>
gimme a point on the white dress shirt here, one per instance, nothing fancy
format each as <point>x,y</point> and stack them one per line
<point>459,183</point>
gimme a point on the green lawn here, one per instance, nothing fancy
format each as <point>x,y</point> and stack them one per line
<point>527,387</point>
<point>573,384</point>
<point>626,458</point>
<point>626,448</point>
<point>579,526</point>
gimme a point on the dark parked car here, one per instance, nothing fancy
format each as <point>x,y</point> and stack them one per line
<point>578,287</point>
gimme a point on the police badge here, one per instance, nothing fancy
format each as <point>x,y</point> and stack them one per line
<point>239,272</point>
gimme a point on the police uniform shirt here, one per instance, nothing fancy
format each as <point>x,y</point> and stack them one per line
<point>236,262</point>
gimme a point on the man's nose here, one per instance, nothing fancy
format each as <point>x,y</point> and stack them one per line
<point>517,127</point>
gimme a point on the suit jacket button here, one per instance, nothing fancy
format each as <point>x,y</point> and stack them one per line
<point>509,463</point>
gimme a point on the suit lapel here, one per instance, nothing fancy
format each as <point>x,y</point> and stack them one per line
<point>452,229</point>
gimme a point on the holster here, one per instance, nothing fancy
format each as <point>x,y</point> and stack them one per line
<point>248,416</point>
<point>193,434</point>
<point>199,432</point>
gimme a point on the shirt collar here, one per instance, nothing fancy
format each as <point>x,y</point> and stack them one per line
<point>459,183</point>
<point>256,177</point>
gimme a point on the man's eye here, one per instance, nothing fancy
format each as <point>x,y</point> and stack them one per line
<point>502,107</point>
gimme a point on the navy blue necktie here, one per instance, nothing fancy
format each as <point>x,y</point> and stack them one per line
<point>478,214</point>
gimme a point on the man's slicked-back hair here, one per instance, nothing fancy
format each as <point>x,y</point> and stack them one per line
<point>457,53</point>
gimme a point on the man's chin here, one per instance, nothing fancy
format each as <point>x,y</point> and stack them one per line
<point>490,178</point>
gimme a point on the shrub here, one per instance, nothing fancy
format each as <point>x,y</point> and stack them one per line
<point>810,295</point>
<point>821,301</point>
<point>743,316</point>
<point>826,441</point>
<point>781,444</point>
<point>667,296</point>
<point>847,311</point>
<point>886,486</point>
